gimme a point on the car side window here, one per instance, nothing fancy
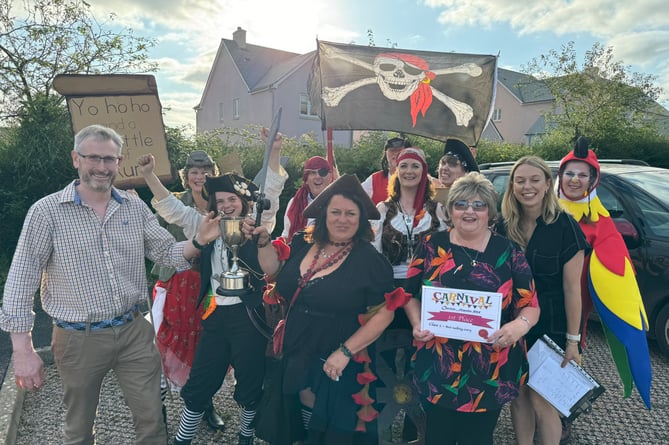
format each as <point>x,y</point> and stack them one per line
<point>654,218</point>
<point>499,182</point>
<point>610,201</point>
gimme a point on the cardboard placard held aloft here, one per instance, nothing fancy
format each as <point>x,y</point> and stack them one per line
<point>129,104</point>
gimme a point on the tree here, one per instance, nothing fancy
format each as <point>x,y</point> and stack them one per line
<point>60,37</point>
<point>601,99</point>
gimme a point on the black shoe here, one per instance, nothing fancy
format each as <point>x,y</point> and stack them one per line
<point>245,440</point>
<point>213,419</point>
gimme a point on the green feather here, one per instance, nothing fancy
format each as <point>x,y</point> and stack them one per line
<point>619,356</point>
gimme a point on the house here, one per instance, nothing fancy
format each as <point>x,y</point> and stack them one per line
<point>248,83</point>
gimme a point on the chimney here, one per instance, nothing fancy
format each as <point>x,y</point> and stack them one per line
<point>239,37</point>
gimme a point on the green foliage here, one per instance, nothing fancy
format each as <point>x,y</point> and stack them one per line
<point>60,37</point>
<point>495,152</point>
<point>601,98</point>
<point>34,162</point>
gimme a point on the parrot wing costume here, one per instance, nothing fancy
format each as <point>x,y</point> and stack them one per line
<point>613,290</point>
<point>609,281</point>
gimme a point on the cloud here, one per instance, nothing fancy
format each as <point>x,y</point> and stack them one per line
<point>637,30</point>
<point>178,108</point>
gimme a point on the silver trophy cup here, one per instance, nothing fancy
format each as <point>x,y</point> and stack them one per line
<point>234,282</point>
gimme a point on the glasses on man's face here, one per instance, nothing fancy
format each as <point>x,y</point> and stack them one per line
<point>95,159</point>
<point>478,206</point>
<point>580,176</point>
<point>322,172</point>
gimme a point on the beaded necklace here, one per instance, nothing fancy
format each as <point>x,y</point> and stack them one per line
<point>332,260</point>
<point>324,254</point>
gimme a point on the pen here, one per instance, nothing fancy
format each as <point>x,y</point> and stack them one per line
<point>459,268</point>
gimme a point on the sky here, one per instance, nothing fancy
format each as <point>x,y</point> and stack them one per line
<point>189,32</point>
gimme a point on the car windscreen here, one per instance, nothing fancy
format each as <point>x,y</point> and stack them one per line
<point>655,183</point>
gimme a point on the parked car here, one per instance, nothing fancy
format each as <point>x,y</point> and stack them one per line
<point>637,197</point>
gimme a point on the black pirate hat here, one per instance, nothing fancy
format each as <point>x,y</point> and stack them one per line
<point>348,184</point>
<point>232,183</point>
<point>459,149</point>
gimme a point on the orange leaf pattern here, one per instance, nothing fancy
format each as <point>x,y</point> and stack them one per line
<point>471,376</point>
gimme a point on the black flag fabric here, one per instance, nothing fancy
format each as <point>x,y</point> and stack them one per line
<point>431,94</point>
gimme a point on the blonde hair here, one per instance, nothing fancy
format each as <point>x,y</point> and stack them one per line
<point>512,210</point>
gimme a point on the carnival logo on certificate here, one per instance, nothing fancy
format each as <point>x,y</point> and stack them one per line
<point>460,314</point>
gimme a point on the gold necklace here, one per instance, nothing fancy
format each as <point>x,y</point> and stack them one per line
<point>473,261</point>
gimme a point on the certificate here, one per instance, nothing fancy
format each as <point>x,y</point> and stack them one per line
<point>460,314</point>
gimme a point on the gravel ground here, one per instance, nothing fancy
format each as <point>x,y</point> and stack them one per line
<point>613,420</point>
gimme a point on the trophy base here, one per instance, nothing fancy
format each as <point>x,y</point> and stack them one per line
<point>233,292</point>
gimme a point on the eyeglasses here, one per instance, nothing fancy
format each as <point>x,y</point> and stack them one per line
<point>95,159</point>
<point>322,172</point>
<point>478,206</point>
<point>581,176</point>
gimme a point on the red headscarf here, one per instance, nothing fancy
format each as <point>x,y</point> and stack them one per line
<point>301,200</point>
<point>418,155</point>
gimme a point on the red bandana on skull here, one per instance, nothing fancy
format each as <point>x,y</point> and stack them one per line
<point>421,99</point>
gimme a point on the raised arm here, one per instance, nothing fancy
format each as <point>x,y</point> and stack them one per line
<point>147,164</point>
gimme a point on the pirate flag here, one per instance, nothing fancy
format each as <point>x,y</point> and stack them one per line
<point>431,94</point>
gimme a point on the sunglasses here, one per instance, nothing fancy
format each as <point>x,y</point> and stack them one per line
<point>322,172</point>
<point>478,206</point>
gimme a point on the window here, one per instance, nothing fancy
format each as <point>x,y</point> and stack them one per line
<point>497,114</point>
<point>235,108</point>
<point>221,112</point>
<point>305,106</point>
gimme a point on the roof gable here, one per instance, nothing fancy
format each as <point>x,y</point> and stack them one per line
<point>261,66</point>
<point>527,89</point>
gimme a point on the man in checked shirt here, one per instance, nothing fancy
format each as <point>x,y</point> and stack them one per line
<point>84,247</point>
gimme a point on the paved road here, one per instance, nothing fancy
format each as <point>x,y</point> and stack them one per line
<point>614,420</point>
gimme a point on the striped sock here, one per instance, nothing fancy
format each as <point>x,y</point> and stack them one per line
<point>306,416</point>
<point>188,425</point>
<point>163,388</point>
<point>247,417</point>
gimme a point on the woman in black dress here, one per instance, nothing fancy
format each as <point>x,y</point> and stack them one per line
<point>340,291</point>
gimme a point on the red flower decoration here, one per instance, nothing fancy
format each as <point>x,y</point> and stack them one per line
<point>362,357</point>
<point>397,298</point>
<point>282,249</point>
<point>364,378</point>
<point>367,413</point>
<point>362,397</point>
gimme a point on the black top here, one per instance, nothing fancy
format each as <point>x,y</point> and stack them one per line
<point>248,259</point>
<point>325,314</point>
<point>549,249</point>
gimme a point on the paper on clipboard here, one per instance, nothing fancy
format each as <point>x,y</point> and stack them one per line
<point>564,388</point>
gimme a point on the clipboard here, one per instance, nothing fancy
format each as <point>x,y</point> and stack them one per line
<point>570,390</point>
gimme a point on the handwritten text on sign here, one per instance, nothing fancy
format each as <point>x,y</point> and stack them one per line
<point>460,313</point>
<point>137,119</point>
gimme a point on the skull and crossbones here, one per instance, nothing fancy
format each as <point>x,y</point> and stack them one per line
<point>403,77</point>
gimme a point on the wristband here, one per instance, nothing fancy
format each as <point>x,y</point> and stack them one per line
<point>347,352</point>
<point>573,337</point>
<point>197,245</point>
<point>524,318</point>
